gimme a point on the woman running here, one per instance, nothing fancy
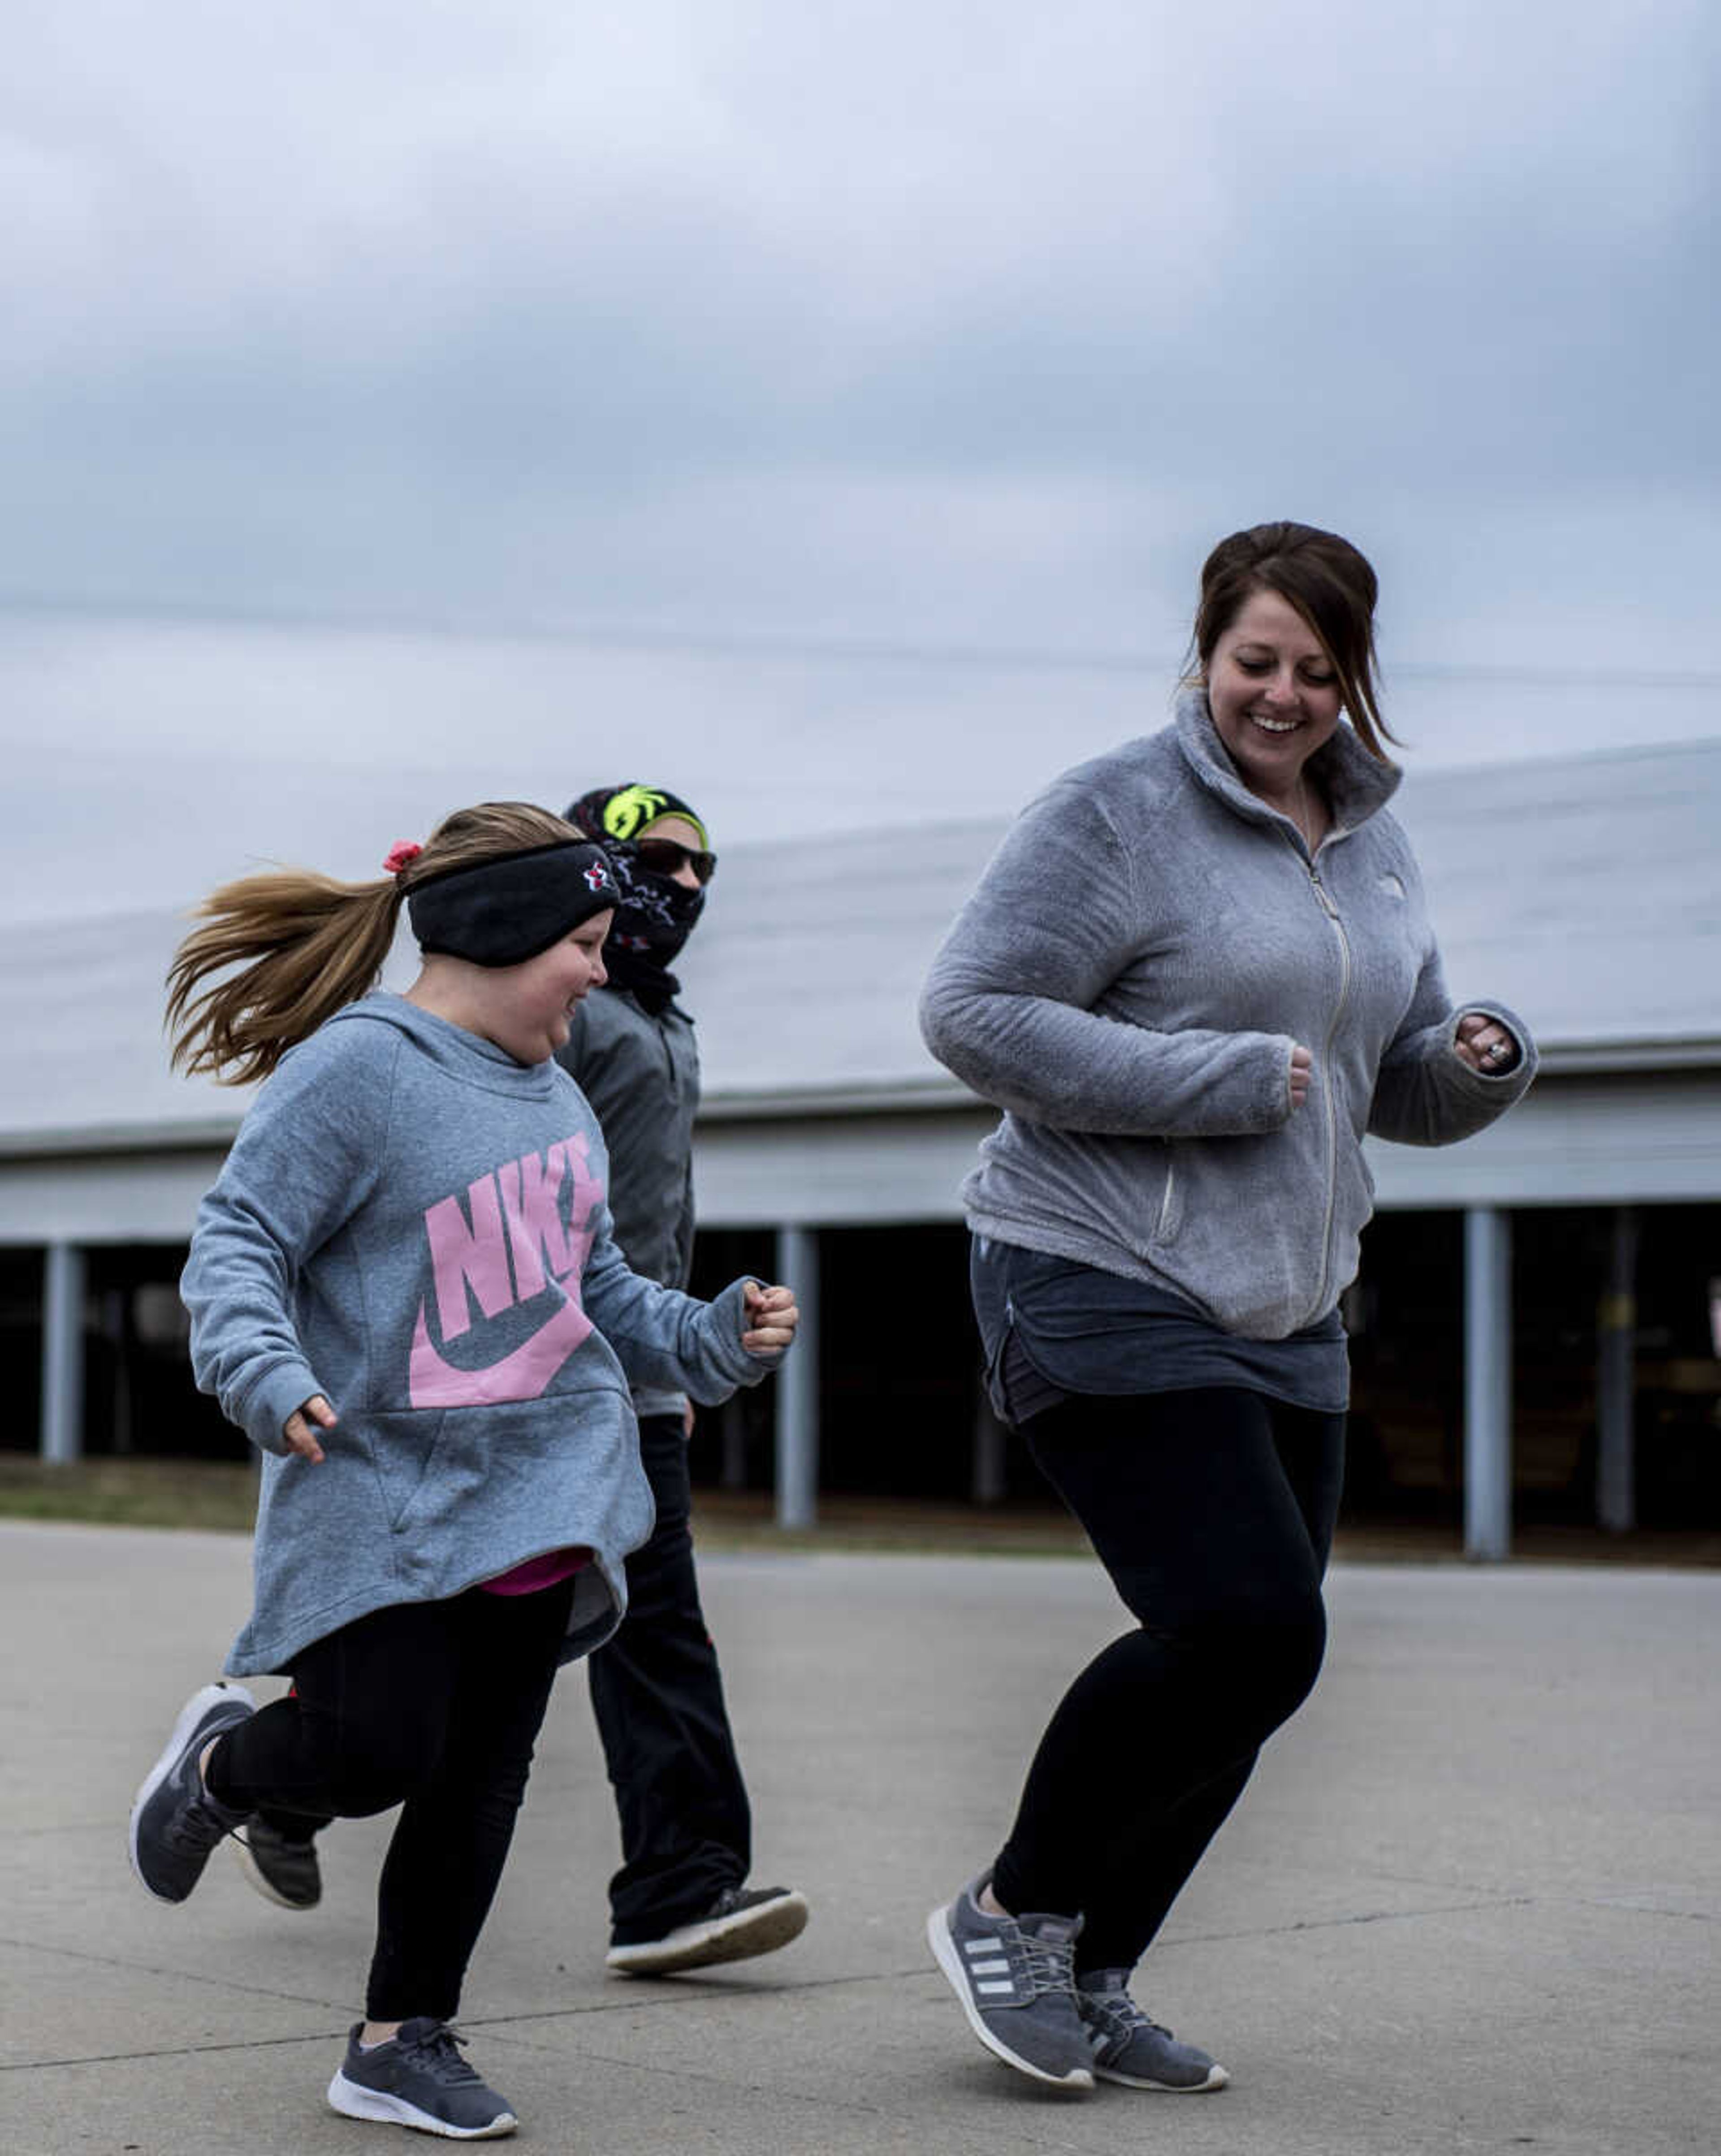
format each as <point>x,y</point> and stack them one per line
<point>1198,970</point>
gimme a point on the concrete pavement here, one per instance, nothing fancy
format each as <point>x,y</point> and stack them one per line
<point>1472,1902</point>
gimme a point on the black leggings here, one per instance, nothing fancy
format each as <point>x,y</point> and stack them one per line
<point>1212,1511</point>
<point>431,1705</point>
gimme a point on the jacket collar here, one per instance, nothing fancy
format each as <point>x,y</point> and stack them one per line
<point>1355,784</point>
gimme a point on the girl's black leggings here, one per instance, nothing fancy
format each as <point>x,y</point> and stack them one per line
<point>1212,1511</point>
<point>431,1705</point>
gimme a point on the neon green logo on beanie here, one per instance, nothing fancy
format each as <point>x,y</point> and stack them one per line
<point>623,812</point>
<point>636,806</point>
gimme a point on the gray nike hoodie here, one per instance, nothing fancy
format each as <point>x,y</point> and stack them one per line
<point>1128,983</point>
<point>416,1226</point>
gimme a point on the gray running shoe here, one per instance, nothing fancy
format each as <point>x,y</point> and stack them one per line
<point>175,1821</point>
<point>1016,1985</point>
<point>419,2079</point>
<point>742,1922</point>
<point>282,1870</point>
<point>1127,2047</point>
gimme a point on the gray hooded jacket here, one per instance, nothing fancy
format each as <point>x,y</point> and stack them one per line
<point>1128,983</point>
<point>640,1071</point>
<point>415,1225</point>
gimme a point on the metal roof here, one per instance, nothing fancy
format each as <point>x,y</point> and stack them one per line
<point>1584,892</point>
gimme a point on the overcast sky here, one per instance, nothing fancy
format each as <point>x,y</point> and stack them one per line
<point>824,407</point>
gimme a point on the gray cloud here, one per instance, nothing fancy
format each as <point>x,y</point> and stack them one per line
<point>930,325</point>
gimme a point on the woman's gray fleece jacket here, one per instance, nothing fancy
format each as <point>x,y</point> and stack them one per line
<point>1128,983</point>
<point>415,1225</point>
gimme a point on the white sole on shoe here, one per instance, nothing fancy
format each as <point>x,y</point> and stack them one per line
<point>1216,2079</point>
<point>258,1878</point>
<point>759,1930</point>
<point>190,1715</point>
<point>944,1950</point>
<point>353,2102</point>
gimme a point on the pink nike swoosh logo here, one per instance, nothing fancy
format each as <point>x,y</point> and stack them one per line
<point>522,1375</point>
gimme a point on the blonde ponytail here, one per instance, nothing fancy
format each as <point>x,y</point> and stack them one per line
<point>312,945</point>
<point>306,945</point>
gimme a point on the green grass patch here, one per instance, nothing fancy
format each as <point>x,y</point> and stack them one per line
<point>222,1494</point>
<point>154,1492</point>
<point>131,1493</point>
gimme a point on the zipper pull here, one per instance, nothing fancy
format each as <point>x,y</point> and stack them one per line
<point>1321,891</point>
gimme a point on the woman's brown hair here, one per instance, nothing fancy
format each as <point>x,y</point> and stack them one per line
<point>1329,584</point>
<point>306,944</point>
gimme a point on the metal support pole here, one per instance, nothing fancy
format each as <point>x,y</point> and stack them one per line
<point>1487,1384</point>
<point>62,1353</point>
<point>1616,1381</point>
<point>797,1385</point>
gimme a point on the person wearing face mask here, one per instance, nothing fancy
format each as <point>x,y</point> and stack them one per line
<point>1199,970</point>
<point>681,1899</point>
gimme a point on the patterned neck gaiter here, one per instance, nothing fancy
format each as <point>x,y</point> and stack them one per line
<point>656,915</point>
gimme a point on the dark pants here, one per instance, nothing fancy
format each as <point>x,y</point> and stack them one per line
<point>431,1705</point>
<point>1212,1511</point>
<point>657,1697</point>
<point>686,1829</point>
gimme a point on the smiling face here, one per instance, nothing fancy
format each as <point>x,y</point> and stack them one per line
<point>1273,693</point>
<point>529,1009</point>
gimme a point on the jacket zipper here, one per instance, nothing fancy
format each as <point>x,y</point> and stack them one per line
<point>1164,1222</point>
<point>1332,913</point>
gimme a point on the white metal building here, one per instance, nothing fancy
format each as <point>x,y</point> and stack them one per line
<point>1586,893</point>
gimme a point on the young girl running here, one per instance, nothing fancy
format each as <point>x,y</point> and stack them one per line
<point>404,1290</point>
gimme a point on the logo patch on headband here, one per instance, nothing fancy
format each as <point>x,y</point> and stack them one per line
<point>504,910</point>
<point>625,812</point>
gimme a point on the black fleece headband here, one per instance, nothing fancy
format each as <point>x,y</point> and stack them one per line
<point>503,911</point>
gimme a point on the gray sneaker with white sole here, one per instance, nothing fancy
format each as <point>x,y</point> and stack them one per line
<point>1015,1979</point>
<point>419,2079</point>
<point>283,1867</point>
<point>1129,2048</point>
<point>175,1821</point>
<point>742,1922</point>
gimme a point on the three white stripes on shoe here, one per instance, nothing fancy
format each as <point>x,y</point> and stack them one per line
<point>994,1965</point>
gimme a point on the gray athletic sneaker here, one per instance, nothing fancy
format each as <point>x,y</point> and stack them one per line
<point>283,1870</point>
<point>742,1922</point>
<point>1016,1985</point>
<point>419,2079</point>
<point>175,1821</point>
<point>1127,2047</point>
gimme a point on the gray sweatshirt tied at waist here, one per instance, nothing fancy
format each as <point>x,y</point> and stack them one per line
<point>1127,983</point>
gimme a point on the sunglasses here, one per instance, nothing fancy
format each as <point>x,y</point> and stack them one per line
<point>667,856</point>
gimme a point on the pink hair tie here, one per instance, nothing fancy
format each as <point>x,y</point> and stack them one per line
<point>403,851</point>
